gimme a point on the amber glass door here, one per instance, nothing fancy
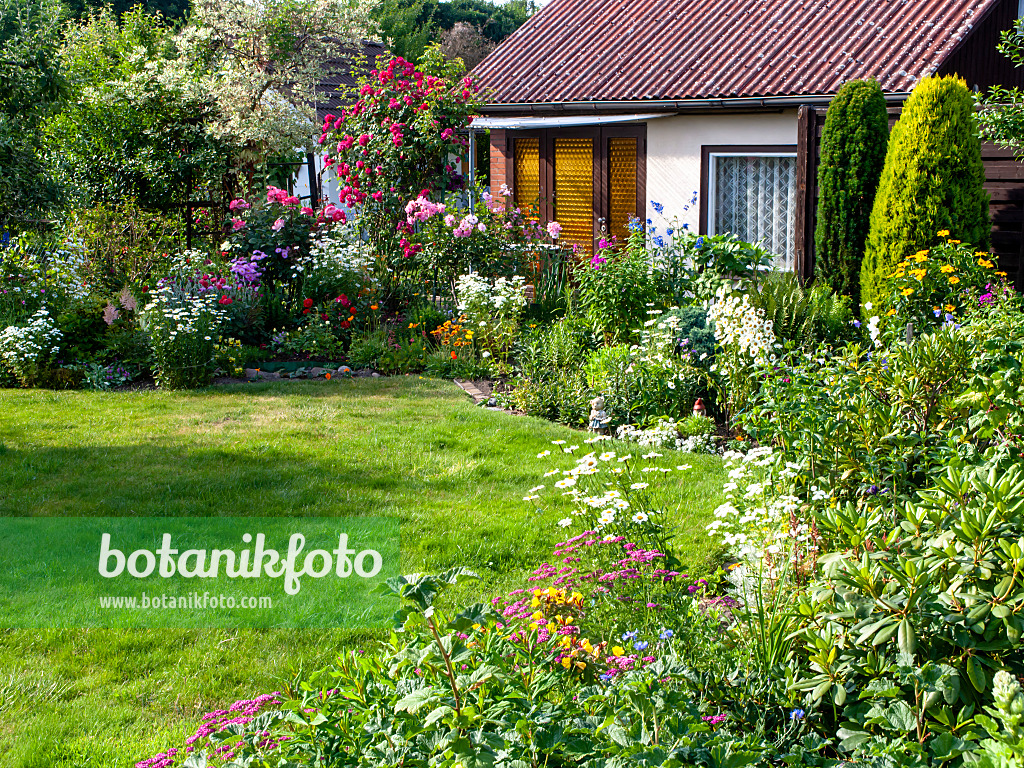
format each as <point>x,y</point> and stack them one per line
<point>591,180</point>
<point>622,185</point>
<point>574,191</point>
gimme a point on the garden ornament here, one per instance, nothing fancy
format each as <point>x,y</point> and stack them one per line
<point>599,418</point>
<point>699,409</point>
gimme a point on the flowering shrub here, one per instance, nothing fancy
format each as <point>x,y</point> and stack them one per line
<point>396,142</point>
<point>747,341</point>
<point>266,240</point>
<point>214,740</point>
<point>611,494</point>
<point>692,435</point>
<point>24,350</point>
<point>616,289</point>
<point>493,237</point>
<point>937,286</point>
<point>182,327</point>
<point>493,308</point>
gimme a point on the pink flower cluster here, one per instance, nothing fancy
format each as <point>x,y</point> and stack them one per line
<point>240,713</point>
<point>422,209</point>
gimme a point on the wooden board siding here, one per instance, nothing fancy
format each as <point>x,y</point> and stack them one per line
<point>976,59</point>
<point>1004,181</point>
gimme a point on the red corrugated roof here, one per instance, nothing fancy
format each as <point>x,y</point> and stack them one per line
<point>612,50</point>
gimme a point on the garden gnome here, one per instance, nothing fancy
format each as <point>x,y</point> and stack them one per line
<point>599,418</point>
<point>699,409</point>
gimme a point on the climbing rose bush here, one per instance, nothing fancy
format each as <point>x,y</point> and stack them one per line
<point>398,140</point>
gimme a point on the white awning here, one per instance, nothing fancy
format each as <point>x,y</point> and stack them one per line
<point>526,123</point>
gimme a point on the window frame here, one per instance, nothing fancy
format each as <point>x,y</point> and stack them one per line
<point>709,154</point>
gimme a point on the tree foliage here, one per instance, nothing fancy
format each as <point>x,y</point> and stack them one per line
<point>932,180</point>
<point>412,25</point>
<point>30,85</point>
<point>853,145</point>
<point>1002,110</point>
<point>129,131</point>
<point>262,62</point>
<point>169,9</point>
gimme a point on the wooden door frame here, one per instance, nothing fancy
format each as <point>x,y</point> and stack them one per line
<point>601,170</point>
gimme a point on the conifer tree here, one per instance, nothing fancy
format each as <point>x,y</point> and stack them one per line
<point>853,144</point>
<point>932,180</point>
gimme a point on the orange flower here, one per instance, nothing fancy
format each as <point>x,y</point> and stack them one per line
<point>454,355</point>
<point>327,376</point>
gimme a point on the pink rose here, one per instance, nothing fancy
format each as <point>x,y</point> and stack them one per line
<point>276,226</point>
<point>554,228</point>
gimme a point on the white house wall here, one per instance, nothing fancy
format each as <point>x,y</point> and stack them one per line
<point>674,154</point>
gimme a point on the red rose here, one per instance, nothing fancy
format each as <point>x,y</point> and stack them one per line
<point>307,303</point>
<point>305,311</point>
<point>344,323</point>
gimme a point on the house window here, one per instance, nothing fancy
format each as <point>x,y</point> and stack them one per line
<point>590,180</point>
<point>752,194</point>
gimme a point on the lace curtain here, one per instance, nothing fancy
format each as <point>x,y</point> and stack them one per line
<point>755,199</point>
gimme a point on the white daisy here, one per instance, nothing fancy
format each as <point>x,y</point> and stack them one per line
<point>640,517</point>
<point>565,522</point>
<point>566,482</point>
<point>638,486</point>
<point>537,488</point>
<point>607,456</point>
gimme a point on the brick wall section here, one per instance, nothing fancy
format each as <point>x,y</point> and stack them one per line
<point>499,159</point>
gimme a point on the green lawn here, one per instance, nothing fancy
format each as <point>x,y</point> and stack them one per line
<point>416,449</point>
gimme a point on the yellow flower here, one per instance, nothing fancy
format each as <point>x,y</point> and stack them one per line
<point>943,233</point>
<point>1001,274</point>
<point>949,308</point>
<point>953,242</point>
<point>566,662</point>
<point>908,291</point>
<point>946,268</point>
<point>954,280</point>
<point>986,263</point>
<point>618,650</point>
<point>920,257</point>
<point>891,312</point>
<point>919,273</point>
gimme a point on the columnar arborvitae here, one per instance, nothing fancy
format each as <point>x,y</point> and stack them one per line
<point>932,180</point>
<point>853,144</point>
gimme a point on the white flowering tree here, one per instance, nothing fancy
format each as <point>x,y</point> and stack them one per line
<point>261,61</point>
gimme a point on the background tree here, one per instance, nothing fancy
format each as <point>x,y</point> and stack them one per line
<point>853,144</point>
<point>261,63</point>
<point>412,25</point>
<point>932,180</point>
<point>466,42</point>
<point>30,87</point>
<point>127,131</point>
<point>169,9</point>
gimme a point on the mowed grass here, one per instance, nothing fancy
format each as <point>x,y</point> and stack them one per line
<point>416,449</point>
